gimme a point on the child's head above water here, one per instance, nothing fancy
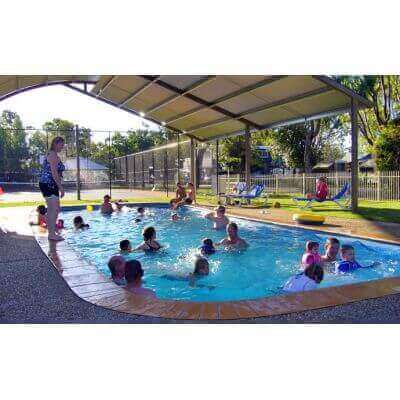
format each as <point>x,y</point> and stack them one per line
<point>106,198</point>
<point>312,247</point>
<point>201,266</point>
<point>332,246</point>
<point>175,217</point>
<point>149,233</point>
<point>220,211</point>
<point>314,272</point>
<point>42,210</point>
<point>208,247</point>
<point>347,252</point>
<point>140,210</point>
<point>133,271</point>
<point>125,245</point>
<point>78,221</point>
<point>116,264</point>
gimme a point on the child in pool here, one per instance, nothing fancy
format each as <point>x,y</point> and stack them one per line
<point>116,264</point>
<point>41,212</point>
<point>218,217</point>
<point>311,256</point>
<point>309,279</point>
<point>349,263</point>
<point>106,208</point>
<point>125,247</point>
<point>207,248</point>
<point>60,224</point>
<point>133,277</point>
<point>79,223</point>
<point>140,212</point>
<point>150,243</point>
<point>201,269</point>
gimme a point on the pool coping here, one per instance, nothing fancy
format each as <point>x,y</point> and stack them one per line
<point>92,286</point>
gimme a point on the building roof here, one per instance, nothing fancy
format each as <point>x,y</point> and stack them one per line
<point>208,107</point>
<point>323,165</point>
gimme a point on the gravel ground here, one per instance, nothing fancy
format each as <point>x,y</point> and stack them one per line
<point>32,291</point>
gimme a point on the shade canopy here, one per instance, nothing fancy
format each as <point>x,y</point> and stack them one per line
<point>208,107</point>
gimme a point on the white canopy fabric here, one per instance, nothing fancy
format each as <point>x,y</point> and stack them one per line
<point>207,107</point>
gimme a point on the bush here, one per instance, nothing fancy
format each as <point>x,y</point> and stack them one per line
<point>387,149</point>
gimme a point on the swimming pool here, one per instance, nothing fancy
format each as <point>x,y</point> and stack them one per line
<point>260,271</point>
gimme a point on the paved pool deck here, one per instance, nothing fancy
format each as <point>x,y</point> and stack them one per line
<point>32,291</point>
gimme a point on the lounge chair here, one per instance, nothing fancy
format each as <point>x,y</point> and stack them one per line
<point>341,195</point>
<point>255,192</point>
<point>241,189</point>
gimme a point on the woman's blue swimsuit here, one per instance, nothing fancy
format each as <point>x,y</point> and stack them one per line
<point>47,184</point>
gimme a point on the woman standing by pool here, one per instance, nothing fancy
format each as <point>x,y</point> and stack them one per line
<point>50,184</point>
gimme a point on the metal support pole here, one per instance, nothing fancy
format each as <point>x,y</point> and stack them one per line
<point>78,163</point>
<point>178,156</point>
<point>217,166</point>
<point>126,171</point>
<point>134,172</point>
<point>354,155</point>
<point>247,155</point>
<point>166,170</point>
<point>154,169</point>
<point>109,163</point>
<point>143,183</point>
<point>193,177</point>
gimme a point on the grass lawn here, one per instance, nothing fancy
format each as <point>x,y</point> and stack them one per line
<point>158,199</point>
<point>385,211</point>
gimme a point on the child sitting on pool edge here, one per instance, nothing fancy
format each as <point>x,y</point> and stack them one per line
<point>349,263</point>
<point>207,248</point>
<point>307,280</point>
<point>311,255</point>
<point>125,246</point>
<point>79,224</point>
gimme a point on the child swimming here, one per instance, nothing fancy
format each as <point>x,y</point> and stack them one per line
<point>79,223</point>
<point>150,243</point>
<point>41,213</point>
<point>311,255</point>
<point>207,248</point>
<point>309,279</point>
<point>125,246</point>
<point>106,208</point>
<point>201,269</point>
<point>218,217</point>
<point>349,263</point>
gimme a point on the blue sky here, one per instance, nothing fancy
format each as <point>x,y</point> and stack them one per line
<point>40,105</point>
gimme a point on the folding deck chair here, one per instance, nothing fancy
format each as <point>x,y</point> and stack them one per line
<point>255,192</point>
<point>341,195</point>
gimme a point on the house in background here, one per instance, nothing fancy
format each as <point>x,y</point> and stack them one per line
<point>90,171</point>
<point>366,163</point>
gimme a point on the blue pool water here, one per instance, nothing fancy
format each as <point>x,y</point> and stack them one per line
<point>273,255</point>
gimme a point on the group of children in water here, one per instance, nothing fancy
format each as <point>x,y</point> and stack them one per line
<point>130,273</point>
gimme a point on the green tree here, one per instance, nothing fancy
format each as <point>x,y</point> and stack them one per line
<point>387,148</point>
<point>384,93</point>
<point>13,146</point>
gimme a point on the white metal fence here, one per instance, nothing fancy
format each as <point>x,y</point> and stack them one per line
<point>372,186</point>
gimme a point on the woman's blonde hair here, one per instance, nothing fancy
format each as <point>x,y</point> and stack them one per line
<point>56,140</point>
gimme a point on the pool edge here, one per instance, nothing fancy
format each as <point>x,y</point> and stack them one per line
<point>94,287</point>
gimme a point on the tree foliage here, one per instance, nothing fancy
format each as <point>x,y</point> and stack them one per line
<point>387,149</point>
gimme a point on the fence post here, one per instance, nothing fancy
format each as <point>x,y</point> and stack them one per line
<point>379,186</point>
<point>126,171</point>
<point>304,184</point>
<point>143,184</point>
<point>78,164</point>
<point>134,171</point>
<point>276,184</point>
